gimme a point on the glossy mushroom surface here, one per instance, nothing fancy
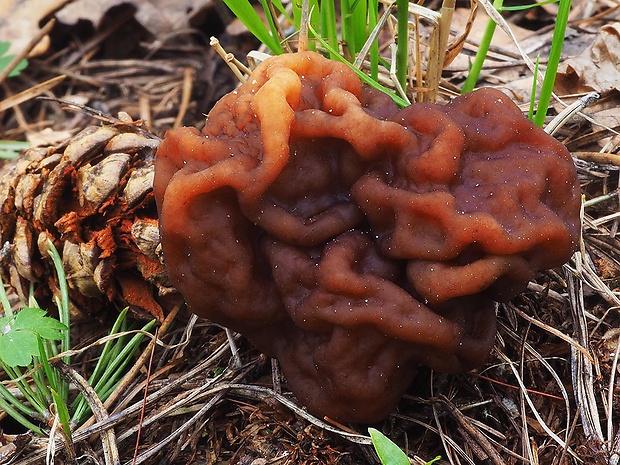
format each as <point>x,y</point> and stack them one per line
<point>353,240</point>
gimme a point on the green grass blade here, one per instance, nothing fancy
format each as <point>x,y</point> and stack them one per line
<point>329,28</point>
<point>19,417</point>
<point>402,46</point>
<point>63,305</point>
<point>109,351</point>
<point>53,377</point>
<point>111,369</point>
<point>346,25</point>
<point>4,300</point>
<point>270,20</point>
<point>27,391</point>
<point>360,24</point>
<point>243,10</point>
<point>373,19</point>
<point>363,76</point>
<point>108,347</point>
<point>557,44</point>
<point>481,54</point>
<point>315,21</point>
<point>527,7</point>
<point>41,385</point>
<point>63,413</point>
<point>116,367</point>
<point>64,314</point>
<point>282,11</point>
<point>10,149</point>
<point>9,398</point>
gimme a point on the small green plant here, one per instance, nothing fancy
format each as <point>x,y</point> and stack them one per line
<point>19,340</point>
<point>35,393</point>
<point>555,54</point>
<point>10,149</point>
<point>388,452</point>
<point>28,339</point>
<point>6,59</point>
<point>481,54</point>
<point>112,364</point>
<point>358,37</point>
<point>557,44</point>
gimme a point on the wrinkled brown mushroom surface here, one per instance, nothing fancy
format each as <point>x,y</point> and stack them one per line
<point>352,240</point>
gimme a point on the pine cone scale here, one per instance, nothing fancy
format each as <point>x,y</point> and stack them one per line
<point>92,196</point>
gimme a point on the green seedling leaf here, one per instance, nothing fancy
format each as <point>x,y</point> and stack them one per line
<point>18,347</point>
<point>388,452</point>
<point>19,335</point>
<point>35,321</point>
<point>63,413</point>
<point>6,59</point>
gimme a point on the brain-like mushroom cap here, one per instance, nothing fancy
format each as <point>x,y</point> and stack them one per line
<point>353,240</point>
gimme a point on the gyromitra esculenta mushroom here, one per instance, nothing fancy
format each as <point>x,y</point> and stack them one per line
<point>353,240</point>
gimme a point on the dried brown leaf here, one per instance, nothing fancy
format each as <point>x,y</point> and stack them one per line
<point>12,445</point>
<point>597,67</point>
<point>157,16</point>
<point>20,19</point>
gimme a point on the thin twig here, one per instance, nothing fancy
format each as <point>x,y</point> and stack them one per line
<point>108,437</point>
<point>565,115</point>
<point>527,398</point>
<point>610,393</point>
<point>146,392</point>
<point>553,331</point>
<point>480,438</point>
<point>30,93</point>
<point>228,58</point>
<point>303,26</point>
<point>186,96</point>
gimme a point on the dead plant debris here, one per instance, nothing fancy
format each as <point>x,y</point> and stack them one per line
<point>549,393</point>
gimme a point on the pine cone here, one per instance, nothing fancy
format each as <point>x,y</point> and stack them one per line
<point>92,196</point>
